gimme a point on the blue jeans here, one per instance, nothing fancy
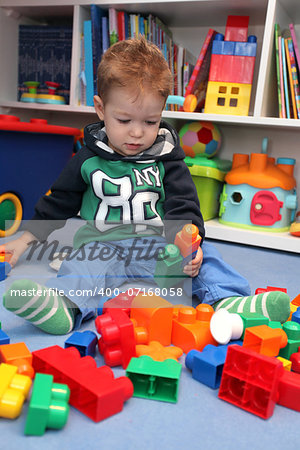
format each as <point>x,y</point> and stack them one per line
<point>91,274</point>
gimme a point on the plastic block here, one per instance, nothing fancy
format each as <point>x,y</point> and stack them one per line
<point>84,341</point>
<point>246,48</point>
<point>227,98</point>
<point>253,320</point>
<point>232,69</point>
<point>296,300</point>
<point>122,301</point>
<point>18,355</point>
<point>265,340</point>
<point>223,47</point>
<point>4,339</point>
<point>207,366</point>
<point>156,380</point>
<point>158,352</point>
<point>289,390</point>
<point>236,28</point>
<point>225,326</point>
<point>48,407</point>
<point>287,365</point>
<point>296,315</point>
<point>270,288</point>
<point>152,318</point>
<point>117,342</point>
<point>168,269</point>
<point>250,381</point>
<point>188,240</point>
<point>292,329</point>
<point>5,268</point>
<point>94,390</point>
<point>295,362</point>
<point>191,330</point>
<point>274,324</point>
<point>14,389</point>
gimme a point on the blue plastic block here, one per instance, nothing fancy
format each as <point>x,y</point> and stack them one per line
<point>207,366</point>
<point>5,268</point>
<point>223,47</point>
<point>245,49</point>
<point>84,341</point>
<point>296,315</point>
<point>4,339</point>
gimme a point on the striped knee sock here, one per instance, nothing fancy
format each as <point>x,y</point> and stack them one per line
<point>40,306</point>
<point>274,304</point>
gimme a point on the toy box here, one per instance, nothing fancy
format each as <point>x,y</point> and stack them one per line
<point>208,176</point>
<point>32,155</point>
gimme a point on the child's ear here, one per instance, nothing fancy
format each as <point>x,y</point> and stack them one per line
<point>99,107</point>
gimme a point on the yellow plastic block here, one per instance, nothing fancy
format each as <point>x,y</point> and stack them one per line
<point>293,309</point>
<point>287,365</point>
<point>14,388</point>
<point>227,98</point>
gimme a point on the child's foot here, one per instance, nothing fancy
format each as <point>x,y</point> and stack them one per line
<point>44,309</point>
<point>274,304</point>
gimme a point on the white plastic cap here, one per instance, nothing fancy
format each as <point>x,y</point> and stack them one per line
<point>225,326</point>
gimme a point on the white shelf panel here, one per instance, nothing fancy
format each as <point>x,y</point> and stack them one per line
<point>276,241</point>
<point>47,107</point>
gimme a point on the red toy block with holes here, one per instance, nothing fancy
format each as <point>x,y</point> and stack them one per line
<point>231,68</point>
<point>188,240</point>
<point>265,340</point>
<point>17,355</point>
<point>237,28</point>
<point>268,289</point>
<point>250,380</point>
<point>94,390</point>
<point>122,301</point>
<point>289,390</point>
<point>117,342</point>
<point>191,327</point>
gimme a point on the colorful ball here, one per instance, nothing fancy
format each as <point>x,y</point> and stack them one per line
<point>200,138</point>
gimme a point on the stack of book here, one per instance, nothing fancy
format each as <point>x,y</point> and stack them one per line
<point>287,72</point>
<point>45,55</point>
<point>108,26</point>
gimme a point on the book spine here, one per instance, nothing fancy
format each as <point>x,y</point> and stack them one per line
<point>88,68</point>
<point>290,78</point>
<point>285,81</point>
<point>294,76</point>
<point>276,35</point>
<point>281,78</point>
<point>296,48</point>
<point>113,26</point>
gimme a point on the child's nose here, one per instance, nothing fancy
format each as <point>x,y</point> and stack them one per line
<point>136,131</point>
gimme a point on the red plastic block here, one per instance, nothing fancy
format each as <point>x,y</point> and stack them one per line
<point>94,390</point>
<point>268,289</point>
<point>232,69</point>
<point>122,301</point>
<point>289,390</point>
<point>117,342</point>
<point>188,240</point>
<point>191,328</point>
<point>296,300</point>
<point>237,28</point>
<point>250,381</point>
<point>295,360</point>
<point>17,355</point>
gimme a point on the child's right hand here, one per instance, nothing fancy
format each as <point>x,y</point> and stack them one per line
<point>17,247</point>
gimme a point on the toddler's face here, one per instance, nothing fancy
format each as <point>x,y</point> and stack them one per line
<point>131,122</point>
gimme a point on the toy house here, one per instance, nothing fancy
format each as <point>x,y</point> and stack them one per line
<point>231,69</point>
<point>259,193</point>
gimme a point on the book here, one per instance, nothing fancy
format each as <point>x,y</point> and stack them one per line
<point>290,78</point>
<point>281,78</point>
<point>294,73</point>
<point>199,78</point>
<point>113,26</point>
<point>121,25</point>
<point>96,17</point>
<point>105,34</point>
<point>276,35</point>
<point>294,38</point>
<point>285,80</point>
<point>88,62</point>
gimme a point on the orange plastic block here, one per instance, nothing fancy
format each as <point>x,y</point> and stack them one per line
<point>152,318</point>
<point>17,355</point>
<point>5,256</point>
<point>191,330</point>
<point>158,352</point>
<point>188,240</point>
<point>265,340</point>
<point>296,300</point>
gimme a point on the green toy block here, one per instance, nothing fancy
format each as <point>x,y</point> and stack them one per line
<point>168,270</point>
<point>156,380</point>
<point>274,324</point>
<point>48,407</point>
<point>252,320</point>
<point>292,330</point>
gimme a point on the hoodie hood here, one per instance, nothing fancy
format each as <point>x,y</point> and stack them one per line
<point>165,148</point>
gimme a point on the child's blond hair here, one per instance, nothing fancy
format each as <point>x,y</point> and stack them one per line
<point>134,63</point>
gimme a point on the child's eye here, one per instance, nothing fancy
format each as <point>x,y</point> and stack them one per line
<point>151,122</point>
<point>123,120</point>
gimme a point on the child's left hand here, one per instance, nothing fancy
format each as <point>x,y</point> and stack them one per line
<point>193,267</point>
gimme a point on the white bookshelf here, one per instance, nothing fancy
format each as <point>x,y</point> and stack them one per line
<point>189,20</point>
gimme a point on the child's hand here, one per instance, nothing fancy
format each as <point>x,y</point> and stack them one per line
<point>17,247</point>
<point>193,267</point>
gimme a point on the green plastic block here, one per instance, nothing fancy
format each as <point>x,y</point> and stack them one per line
<point>168,271</point>
<point>292,330</point>
<point>48,407</point>
<point>156,380</point>
<point>252,320</point>
<point>274,324</point>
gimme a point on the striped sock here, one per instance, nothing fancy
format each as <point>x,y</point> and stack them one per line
<point>40,306</point>
<point>274,304</point>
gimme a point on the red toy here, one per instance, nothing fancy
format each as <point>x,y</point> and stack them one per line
<point>117,342</point>
<point>122,301</point>
<point>94,390</point>
<point>188,240</point>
